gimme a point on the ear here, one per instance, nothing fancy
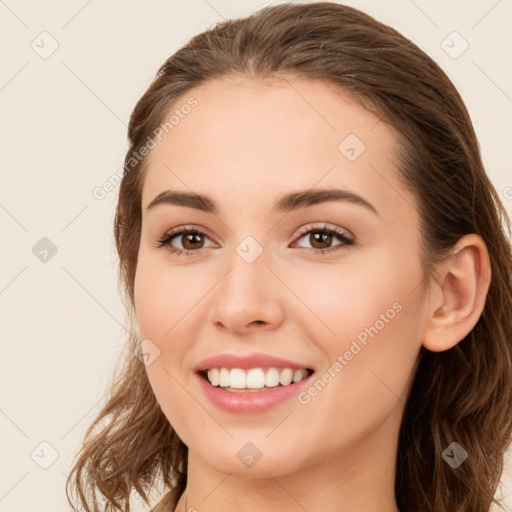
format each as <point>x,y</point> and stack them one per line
<point>458,293</point>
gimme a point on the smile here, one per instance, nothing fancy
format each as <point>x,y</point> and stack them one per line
<point>254,379</point>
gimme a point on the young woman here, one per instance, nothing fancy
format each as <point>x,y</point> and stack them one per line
<point>319,276</point>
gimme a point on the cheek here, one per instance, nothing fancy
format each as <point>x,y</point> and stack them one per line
<point>375,367</point>
<point>162,300</point>
<point>350,296</point>
<point>373,346</point>
<point>368,317</point>
<point>164,295</point>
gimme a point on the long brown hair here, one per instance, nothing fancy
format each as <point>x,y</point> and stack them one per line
<point>463,394</point>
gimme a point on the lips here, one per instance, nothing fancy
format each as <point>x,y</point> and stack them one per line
<point>236,395</point>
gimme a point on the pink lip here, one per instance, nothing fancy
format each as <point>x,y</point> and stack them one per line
<point>255,360</point>
<point>251,401</point>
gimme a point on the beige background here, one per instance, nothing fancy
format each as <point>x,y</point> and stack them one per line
<point>63,132</point>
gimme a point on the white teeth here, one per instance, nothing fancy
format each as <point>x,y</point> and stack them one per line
<point>255,378</point>
<point>298,375</point>
<point>272,378</point>
<point>286,376</point>
<point>213,376</point>
<point>224,377</point>
<point>237,379</point>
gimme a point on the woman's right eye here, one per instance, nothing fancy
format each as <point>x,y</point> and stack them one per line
<point>190,240</point>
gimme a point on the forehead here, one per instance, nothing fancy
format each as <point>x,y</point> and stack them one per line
<point>266,137</point>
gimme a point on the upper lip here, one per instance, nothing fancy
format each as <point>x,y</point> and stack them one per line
<point>254,360</point>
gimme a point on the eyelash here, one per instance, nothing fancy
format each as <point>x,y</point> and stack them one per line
<point>168,237</point>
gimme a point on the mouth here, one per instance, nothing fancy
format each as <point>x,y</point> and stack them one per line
<point>250,380</point>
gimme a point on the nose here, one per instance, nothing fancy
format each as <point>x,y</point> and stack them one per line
<point>249,298</point>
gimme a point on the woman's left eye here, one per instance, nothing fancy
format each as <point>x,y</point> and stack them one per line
<point>324,235</point>
<point>193,239</point>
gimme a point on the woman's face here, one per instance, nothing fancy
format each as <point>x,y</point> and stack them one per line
<point>250,278</point>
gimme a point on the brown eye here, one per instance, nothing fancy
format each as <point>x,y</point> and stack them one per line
<point>188,241</point>
<point>192,240</point>
<point>324,239</point>
<point>320,240</point>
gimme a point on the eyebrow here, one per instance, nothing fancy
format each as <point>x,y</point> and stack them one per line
<point>288,202</point>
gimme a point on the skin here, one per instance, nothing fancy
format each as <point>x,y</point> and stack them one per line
<point>248,142</point>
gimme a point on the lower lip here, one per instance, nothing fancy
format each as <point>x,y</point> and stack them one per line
<point>251,401</point>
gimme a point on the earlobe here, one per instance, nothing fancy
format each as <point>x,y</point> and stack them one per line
<point>458,296</point>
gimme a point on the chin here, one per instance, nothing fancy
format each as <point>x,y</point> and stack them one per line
<point>244,458</point>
